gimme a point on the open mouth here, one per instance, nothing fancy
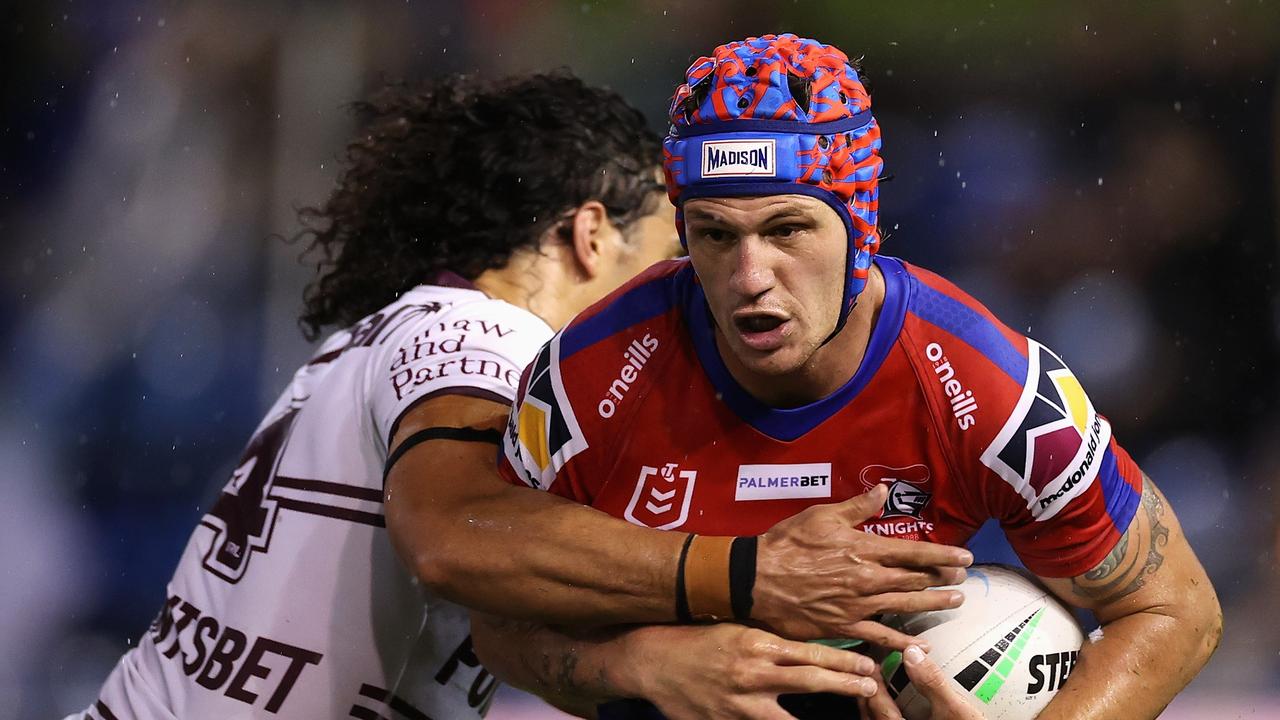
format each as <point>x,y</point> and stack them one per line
<point>757,323</point>
<point>761,331</point>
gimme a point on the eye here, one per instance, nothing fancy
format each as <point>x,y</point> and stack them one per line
<point>714,235</point>
<point>787,231</point>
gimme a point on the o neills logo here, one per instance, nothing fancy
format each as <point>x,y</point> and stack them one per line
<point>732,158</point>
<point>636,355</point>
<point>963,403</point>
<point>1095,432</point>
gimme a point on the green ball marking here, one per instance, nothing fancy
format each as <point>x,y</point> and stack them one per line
<point>890,665</point>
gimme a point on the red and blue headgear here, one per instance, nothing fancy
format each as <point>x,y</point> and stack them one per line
<point>776,115</point>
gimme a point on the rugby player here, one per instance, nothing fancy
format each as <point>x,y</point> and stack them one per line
<point>471,219</point>
<point>785,364</point>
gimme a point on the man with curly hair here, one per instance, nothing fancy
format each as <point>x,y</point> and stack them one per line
<point>470,220</point>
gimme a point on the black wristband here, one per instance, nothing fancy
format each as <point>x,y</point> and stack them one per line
<point>682,597</point>
<point>742,576</point>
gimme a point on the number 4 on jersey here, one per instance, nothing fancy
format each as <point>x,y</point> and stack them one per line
<point>243,516</point>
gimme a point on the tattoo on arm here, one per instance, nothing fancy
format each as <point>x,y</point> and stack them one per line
<point>551,660</point>
<point>566,680</point>
<point>1124,570</point>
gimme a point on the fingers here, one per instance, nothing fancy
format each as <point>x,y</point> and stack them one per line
<point>809,679</point>
<point>857,510</point>
<point>881,705</point>
<point>892,579</point>
<point>882,635</point>
<point>914,553</point>
<point>796,667</point>
<point>818,655</point>
<point>769,711</point>
<point>930,681</point>
<point>924,673</point>
<point>914,602</point>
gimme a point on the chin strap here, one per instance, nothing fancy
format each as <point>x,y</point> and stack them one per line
<point>841,322</point>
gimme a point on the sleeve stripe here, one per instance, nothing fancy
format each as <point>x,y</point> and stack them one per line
<point>1121,498</point>
<point>638,305</point>
<point>970,327</point>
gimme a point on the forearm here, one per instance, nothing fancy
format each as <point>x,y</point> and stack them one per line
<point>525,554</point>
<point>1160,620</point>
<point>533,556</point>
<point>1141,662</point>
<point>573,671</point>
<point>688,672</point>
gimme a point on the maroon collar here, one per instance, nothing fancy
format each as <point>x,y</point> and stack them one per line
<point>449,278</point>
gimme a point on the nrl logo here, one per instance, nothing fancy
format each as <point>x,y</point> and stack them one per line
<point>662,496</point>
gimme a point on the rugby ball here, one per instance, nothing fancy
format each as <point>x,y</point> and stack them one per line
<point>1007,649</point>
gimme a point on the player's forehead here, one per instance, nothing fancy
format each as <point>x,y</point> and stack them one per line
<point>753,210</point>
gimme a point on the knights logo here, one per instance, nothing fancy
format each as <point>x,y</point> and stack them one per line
<point>907,498</point>
<point>903,512</point>
<point>662,496</point>
<point>1052,446</point>
<point>542,432</point>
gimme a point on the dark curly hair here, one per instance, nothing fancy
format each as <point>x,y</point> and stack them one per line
<point>459,174</point>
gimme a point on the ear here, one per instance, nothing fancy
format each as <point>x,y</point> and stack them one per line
<point>590,225</point>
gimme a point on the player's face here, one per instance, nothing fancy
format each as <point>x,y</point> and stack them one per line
<point>773,271</point>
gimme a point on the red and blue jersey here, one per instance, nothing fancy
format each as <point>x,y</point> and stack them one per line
<point>630,409</point>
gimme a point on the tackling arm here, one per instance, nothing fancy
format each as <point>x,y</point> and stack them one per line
<point>692,672</point>
<point>481,542</point>
<point>1160,619</point>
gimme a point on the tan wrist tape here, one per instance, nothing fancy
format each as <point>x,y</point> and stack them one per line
<point>706,578</point>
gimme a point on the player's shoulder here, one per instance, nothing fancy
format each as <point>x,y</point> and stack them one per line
<point>947,326</point>
<point>432,321</point>
<point>591,375</point>
<point>1003,399</point>
<point>437,339</point>
<point>469,311</point>
<point>605,348</point>
<point>652,298</point>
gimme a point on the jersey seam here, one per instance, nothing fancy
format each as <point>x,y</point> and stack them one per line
<point>949,451</point>
<point>630,419</point>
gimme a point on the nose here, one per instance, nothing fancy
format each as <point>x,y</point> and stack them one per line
<point>752,273</point>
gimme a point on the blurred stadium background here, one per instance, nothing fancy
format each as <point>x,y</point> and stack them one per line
<point>1102,174</point>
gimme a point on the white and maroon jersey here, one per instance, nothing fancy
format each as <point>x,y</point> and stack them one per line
<point>289,601</point>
